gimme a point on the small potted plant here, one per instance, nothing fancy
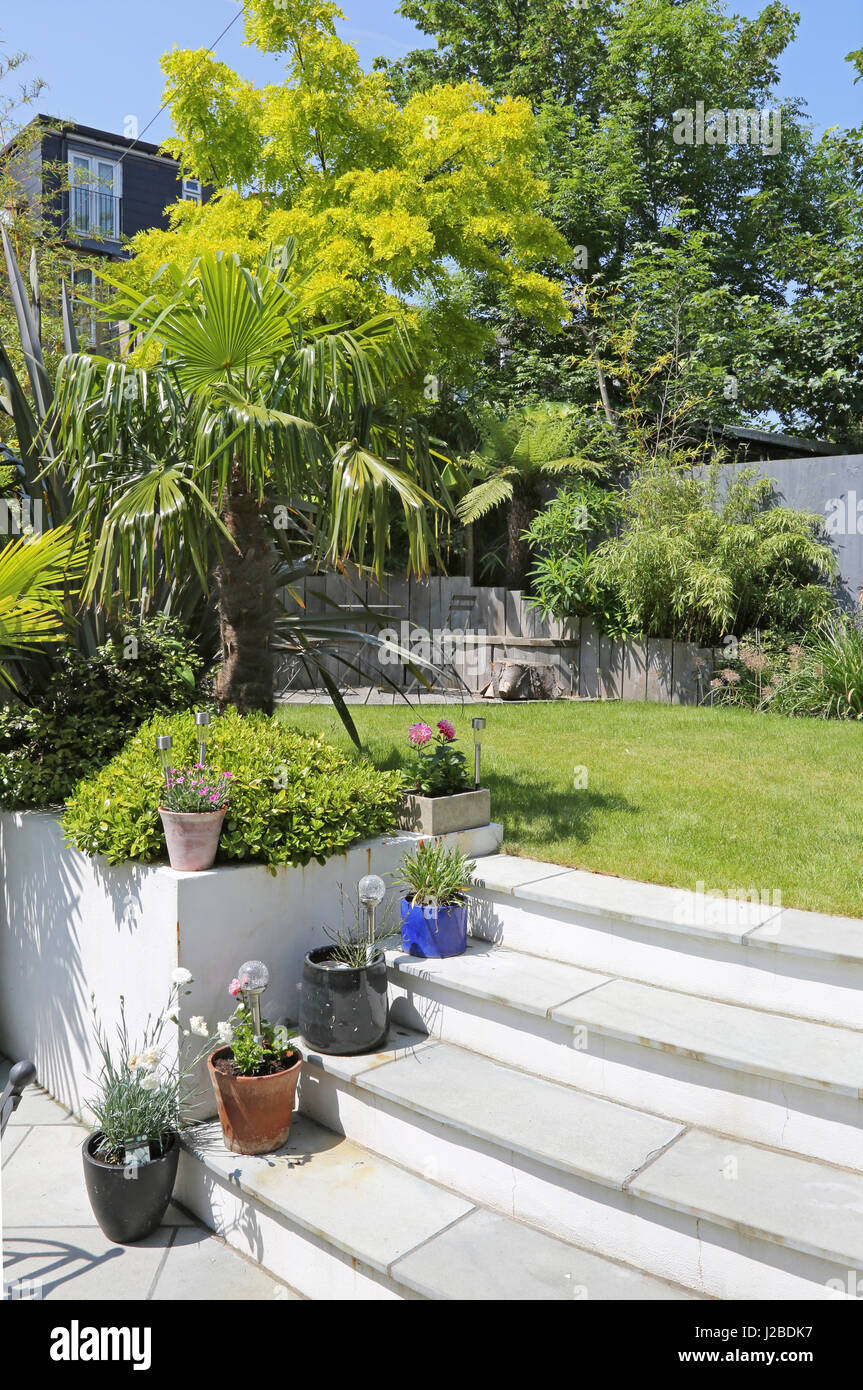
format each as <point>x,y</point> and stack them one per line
<point>193,807</point>
<point>434,909</point>
<point>130,1162</point>
<point>443,798</point>
<point>256,1070</point>
<point>344,1003</point>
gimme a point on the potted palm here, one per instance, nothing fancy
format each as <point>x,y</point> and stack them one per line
<point>443,798</point>
<point>193,807</point>
<point>344,1005</point>
<point>130,1162</point>
<point>255,1071</point>
<point>434,908</point>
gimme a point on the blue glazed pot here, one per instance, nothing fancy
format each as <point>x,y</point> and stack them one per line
<point>434,931</point>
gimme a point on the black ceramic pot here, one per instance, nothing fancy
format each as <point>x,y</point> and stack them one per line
<point>127,1202</point>
<point>343,1010</point>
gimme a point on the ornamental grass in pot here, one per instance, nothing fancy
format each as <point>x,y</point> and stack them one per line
<point>130,1162</point>
<point>434,908</point>
<point>344,995</point>
<point>255,1072</point>
<point>193,806</point>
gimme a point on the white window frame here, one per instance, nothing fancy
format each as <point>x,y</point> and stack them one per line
<point>87,195</point>
<point>191,192</point>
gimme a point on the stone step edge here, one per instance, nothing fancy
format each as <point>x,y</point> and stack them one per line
<point>367,1094</point>
<point>814,931</point>
<point>366,1260</point>
<point>400,972</point>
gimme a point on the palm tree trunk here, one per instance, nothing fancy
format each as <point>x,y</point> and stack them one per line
<point>519,517</point>
<point>245,592</point>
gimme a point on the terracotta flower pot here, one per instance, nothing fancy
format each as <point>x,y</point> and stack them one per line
<point>192,837</point>
<point>255,1111</point>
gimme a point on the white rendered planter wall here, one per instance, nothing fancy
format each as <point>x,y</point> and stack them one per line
<point>70,925</point>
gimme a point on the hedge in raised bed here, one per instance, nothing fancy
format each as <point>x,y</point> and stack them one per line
<point>293,798</point>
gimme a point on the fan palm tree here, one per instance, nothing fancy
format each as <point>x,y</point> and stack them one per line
<point>35,574</point>
<point>514,454</point>
<point>252,411</point>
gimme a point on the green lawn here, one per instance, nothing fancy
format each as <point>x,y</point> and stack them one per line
<point>673,795</point>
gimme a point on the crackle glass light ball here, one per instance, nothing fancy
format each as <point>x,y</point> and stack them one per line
<point>371,889</point>
<point>253,975</point>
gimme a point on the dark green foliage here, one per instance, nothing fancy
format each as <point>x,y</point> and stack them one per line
<point>89,709</point>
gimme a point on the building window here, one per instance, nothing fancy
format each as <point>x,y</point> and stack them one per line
<point>94,196</point>
<point>192,190</point>
<point>94,334</point>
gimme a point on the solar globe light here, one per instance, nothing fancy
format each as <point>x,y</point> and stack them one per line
<point>371,890</point>
<point>478,725</point>
<point>254,977</point>
<point>202,719</point>
<point>164,744</point>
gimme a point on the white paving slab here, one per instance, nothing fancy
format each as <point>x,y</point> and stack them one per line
<point>517,1111</point>
<point>486,1257</point>
<point>353,1199</point>
<point>714,915</point>
<point>811,1207</point>
<point>812,934</point>
<point>810,1054</point>
<point>198,1267</point>
<point>503,873</point>
<point>530,983</point>
<point>400,1042</point>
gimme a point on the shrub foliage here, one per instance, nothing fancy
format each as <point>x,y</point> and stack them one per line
<point>293,797</point>
<point>90,707</point>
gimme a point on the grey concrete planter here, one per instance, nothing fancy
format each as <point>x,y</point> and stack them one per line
<point>441,815</point>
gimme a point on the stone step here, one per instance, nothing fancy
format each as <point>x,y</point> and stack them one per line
<point>580,1167</point>
<point>804,964</point>
<point>765,1078</point>
<point>350,1224</point>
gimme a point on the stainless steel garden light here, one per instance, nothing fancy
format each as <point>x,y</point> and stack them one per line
<point>254,977</point>
<point>164,744</point>
<point>478,726</point>
<point>371,890</point>
<point>202,719</point>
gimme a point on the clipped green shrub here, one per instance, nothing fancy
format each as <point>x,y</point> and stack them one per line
<point>90,707</point>
<point>293,797</point>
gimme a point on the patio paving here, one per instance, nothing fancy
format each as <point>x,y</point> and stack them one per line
<point>53,1248</point>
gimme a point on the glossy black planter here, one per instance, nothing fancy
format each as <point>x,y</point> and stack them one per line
<point>343,1011</point>
<point>129,1203</point>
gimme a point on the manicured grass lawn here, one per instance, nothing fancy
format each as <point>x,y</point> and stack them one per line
<point>674,795</point>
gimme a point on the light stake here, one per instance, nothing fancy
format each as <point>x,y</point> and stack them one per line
<point>202,719</point>
<point>371,890</point>
<point>254,977</point>
<point>478,725</point>
<point>164,744</point>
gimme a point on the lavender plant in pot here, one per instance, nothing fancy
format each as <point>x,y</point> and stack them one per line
<point>130,1162</point>
<point>193,808</point>
<point>256,1070</point>
<point>443,797</point>
<point>434,908</point>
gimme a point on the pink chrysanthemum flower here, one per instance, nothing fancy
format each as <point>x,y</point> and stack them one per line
<point>419,734</point>
<point>235,988</point>
<point>446,729</point>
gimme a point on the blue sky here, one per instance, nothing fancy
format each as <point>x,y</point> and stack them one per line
<point>101,60</point>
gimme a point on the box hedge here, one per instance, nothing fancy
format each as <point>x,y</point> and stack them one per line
<point>293,798</point>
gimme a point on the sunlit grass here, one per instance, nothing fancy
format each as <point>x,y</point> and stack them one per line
<point>673,795</point>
